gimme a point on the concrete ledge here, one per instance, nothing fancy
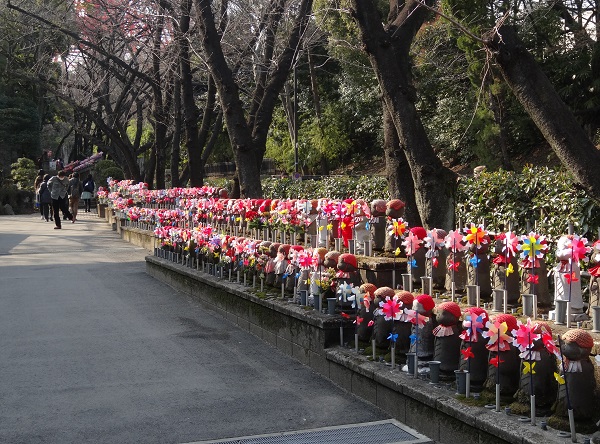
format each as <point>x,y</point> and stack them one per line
<point>285,325</point>
<point>313,339</point>
<point>435,412</point>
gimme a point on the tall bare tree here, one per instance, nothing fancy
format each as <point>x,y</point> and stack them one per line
<point>272,46</point>
<point>388,48</point>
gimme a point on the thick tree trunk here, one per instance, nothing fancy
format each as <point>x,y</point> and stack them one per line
<point>176,139</point>
<point>245,154</point>
<point>550,114</point>
<point>400,182</point>
<point>190,110</point>
<point>388,50</point>
<point>159,114</point>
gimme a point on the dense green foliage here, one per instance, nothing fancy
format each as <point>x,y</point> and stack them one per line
<point>542,198</point>
<point>23,173</point>
<point>105,169</point>
<point>332,187</point>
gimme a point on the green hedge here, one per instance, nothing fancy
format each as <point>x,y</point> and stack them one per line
<point>545,199</point>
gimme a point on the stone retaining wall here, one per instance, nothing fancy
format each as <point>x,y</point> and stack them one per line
<point>313,339</point>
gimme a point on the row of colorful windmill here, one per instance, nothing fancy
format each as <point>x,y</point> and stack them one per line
<point>501,357</point>
<point>473,256</point>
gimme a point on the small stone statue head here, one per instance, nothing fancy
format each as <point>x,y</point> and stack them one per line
<point>448,313</point>
<point>395,208</point>
<point>577,344</point>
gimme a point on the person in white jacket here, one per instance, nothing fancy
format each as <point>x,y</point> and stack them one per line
<point>58,186</point>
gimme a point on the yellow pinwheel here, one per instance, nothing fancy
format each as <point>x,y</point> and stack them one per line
<point>559,378</point>
<point>528,367</point>
<point>510,269</point>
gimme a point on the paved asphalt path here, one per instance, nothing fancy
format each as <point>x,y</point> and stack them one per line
<point>93,350</point>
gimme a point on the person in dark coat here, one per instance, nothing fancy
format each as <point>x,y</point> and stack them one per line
<point>88,192</point>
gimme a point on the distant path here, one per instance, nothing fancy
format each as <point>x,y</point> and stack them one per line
<point>93,350</point>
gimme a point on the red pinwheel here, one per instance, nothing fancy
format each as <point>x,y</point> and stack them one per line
<point>454,265</point>
<point>524,335</point>
<point>548,341</point>
<point>571,277</point>
<point>391,309</point>
<point>533,278</point>
<point>345,315</point>
<point>359,320</point>
<point>467,353</point>
<point>496,361</point>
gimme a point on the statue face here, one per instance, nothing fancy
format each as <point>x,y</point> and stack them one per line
<point>574,352</point>
<point>446,318</point>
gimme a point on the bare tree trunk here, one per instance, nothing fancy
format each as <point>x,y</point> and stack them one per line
<point>553,118</point>
<point>388,51</point>
<point>400,182</point>
<point>176,139</point>
<point>497,108</point>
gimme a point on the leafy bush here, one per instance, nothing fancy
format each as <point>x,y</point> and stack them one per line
<point>542,198</point>
<point>23,172</point>
<point>105,169</point>
<point>21,201</point>
<point>332,187</point>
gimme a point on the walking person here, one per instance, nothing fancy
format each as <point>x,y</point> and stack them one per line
<point>58,186</point>
<point>45,199</point>
<point>88,192</point>
<point>36,186</point>
<point>75,190</point>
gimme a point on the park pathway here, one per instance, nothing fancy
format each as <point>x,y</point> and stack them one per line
<point>93,350</point>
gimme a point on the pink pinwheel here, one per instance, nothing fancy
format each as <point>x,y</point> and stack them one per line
<point>579,248</point>
<point>510,243</point>
<point>305,260</point>
<point>476,235</point>
<point>471,328</point>
<point>434,241</point>
<point>454,242</point>
<point>548,341</point>
<point>392,310</point>
<point>498,339</point>
<point>411,244</point>
<point>524,335</point>
<point>411,316</point>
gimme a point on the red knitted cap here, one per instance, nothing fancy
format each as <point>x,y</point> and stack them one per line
<point>478,311</point>
<point>510,320</point>
<point>426,301</point>
<point>395,204</point>
<point>580,337</point>
<point>451,307</point>
<point>349,259</point>
<point>420,232</point>
<point>368,288</point>
<point>541,327</point>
